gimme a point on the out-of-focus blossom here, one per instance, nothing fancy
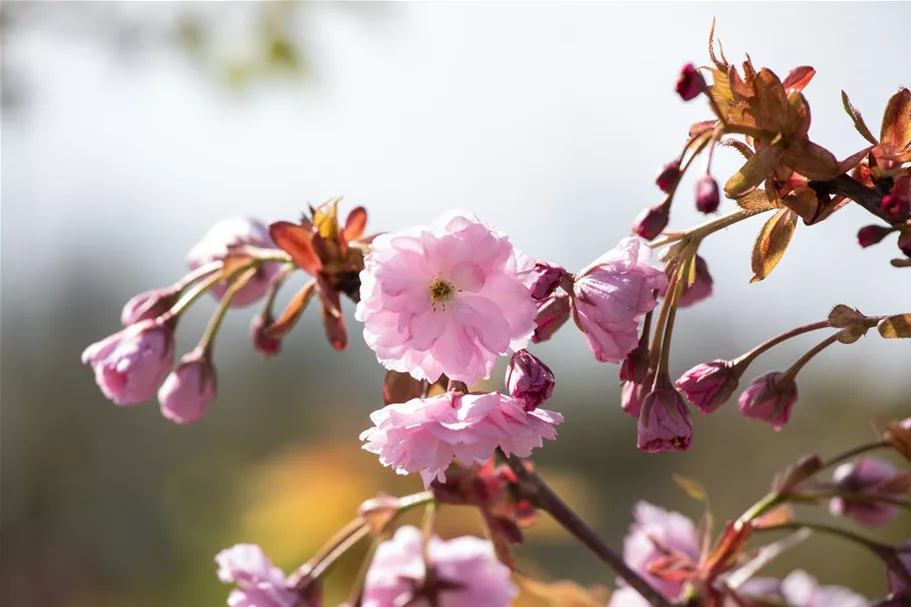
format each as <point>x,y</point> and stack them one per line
<point>700,289</point>
<point>259,582</point>
<point>217,244</point>
<point>445,299</point>
<point>769,398</point>
<point>802,590</point>
<point>690,82</point>
<point>553,312</point>
<point>611,295</point>
<point>425,435</point>
<point>459,572</point>
<point>130,364</point>
<point>631,395</point>
<point>651,221</point>
<point>897,582</point>
<point>668,176</point>
<point>707,195</point>
<point>863,476</point>
<point>148,305</point>
<point>655,535</point>
<point>262,341</point>
<point>187,391</point>
<point>709,385</point>
<point>529,380</point>
<point>664,422</point>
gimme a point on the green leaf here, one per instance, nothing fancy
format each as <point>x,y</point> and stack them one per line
<point>771,243</point>
<point>753,172</point>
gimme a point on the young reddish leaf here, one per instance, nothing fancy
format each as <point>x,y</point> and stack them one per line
<point>803,201</point>
<point>858,120</point>
<point>753,172</point>
<point>771,243</point>
<point>292,312</point>
<point>401,387</point>
<point>757,200</point>
<point>895,327</point>
<point>843,316</point>
<point>811,160</point>
<point>896,127</point>
<point>296,241</point>
<point>798,78</point>
<point>721,65</point>
<point>334,324</point>
<point>727,549</point>
<point>853,160</point>
<point>701,127</point>
<point>355,224</point>
<point>774,517</point>
<point>798,118</point>
<point>745,150</point>
<point>770,106</point>
<point>691,487</point>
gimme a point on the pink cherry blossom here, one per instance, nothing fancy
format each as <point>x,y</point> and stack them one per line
<point>425,435</point>
<point>709,385</point>
<point>130,364</point>
<point>215,246</point>
<point>800,589</point>
<point>259,582</point>
<point>187,391</point>
<point>611,295</point>
<point>664,422</point>
<point>700,289</point>
<point>654,534</point>
<point>770,397</point>
<point>897,581</point>
<point>444,299</point>
<point>462,571</point>
<point>863,476</point>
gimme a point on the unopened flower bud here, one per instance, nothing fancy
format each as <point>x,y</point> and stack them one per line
<point>700,289</point>
<point>262,342</point>
<point>544,279</point>
<point>635,365</point>
<point>529,380</point>
<point>652,221</point>
<point>899,570</point>
<point>770,398</point>
<point>186,393</point>
<point>668,177</point>
<point>870,235</point>
<point>130,365</point>
<point>896,207</point>
<point>149,305</point>
<point>664,422</point>
<point>904,242</point>
<point>707,195</point>
<point>864,476</point>
<point>553,312</point>
<point>709,385</point>
<point>690,83</point>
<point>631,395</point>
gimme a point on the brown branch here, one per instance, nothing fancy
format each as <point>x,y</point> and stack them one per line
<point>537,492</point>
<point>847,186</point>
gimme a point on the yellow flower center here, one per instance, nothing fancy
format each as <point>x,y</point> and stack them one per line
<point>441,292</point>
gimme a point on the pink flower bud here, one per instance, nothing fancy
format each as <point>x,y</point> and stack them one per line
<point>769,398</point>
<point>631,394</point>
<point>149,305</point>
<point>701,288</point>
<point>186,393</point>
<point>259,582</point>
<point>529,380</point>
<point>262,343</point>
<point>668,177</point>
<point>130,365</point>
<point>870,235</point>
<point>553,312</point>
<point>709,385</point>
<point>690,83</point>
<point>635,365</point>
<point>664,422</point>
<point>652,221</point>
<point>544,278</point>
<point>217,244</point>
<point>863,476</point>
<point>896,207</point>
<point>900,569</point>
<point>707,195</point>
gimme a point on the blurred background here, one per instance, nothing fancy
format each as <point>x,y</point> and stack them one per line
<point>129,128</point>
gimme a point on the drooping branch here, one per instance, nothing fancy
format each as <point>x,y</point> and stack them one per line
<point>847,186</point>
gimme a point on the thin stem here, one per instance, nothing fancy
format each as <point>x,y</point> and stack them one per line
<point>655,349</point>
<point>867,498</point>
<point>854,452</point>
<point>190,297</point>
<point>704,229</point>
<point>550,502</point>
<point>276,284</point>
<point>685,263</point>
<point>744,360</point>
<point>208,338</point>
<point>766,503</point>
<point>792,372</point>
<point>357,587</point>
<point>850,536</point>
<point>325,565</point>
<point>200,272</point>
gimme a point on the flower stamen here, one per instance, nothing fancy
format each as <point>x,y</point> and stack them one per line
<point>441,292</point>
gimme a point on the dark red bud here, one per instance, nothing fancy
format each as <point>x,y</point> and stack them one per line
<point>690,83</point>
<point>265,345</point>
<point>529,380</point>
<point>650,222</point>
<point>668,177</point>
<point>635,365</point>
<point>904,242</point>
<point>870,235</point>
<point>707,195</point>
<point>896,207</point>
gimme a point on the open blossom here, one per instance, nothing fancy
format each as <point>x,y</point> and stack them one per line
<point>655,534</point>
<point>664,422</point>
<point>187,391</point>
<point>425,435</point>
<point>459,572</point>
<point>444,299</point>
<point>216,245</point>
<point>799,589</point>
<point>130,364</point>
<point>259,582</point>
<point>863,476</point>
<point>611,295</point>
<point>769,398</point>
